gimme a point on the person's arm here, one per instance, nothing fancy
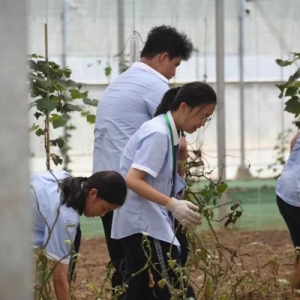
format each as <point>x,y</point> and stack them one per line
<point>135,181</point>
<point>149,159</point>
<point>184,211</point>
<point>293,141</point>
<point>58,248</point>
<point>60,282</point>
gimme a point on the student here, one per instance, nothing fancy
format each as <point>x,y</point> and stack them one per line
<point>149,165</point>
<point>288,199</point>
<point>129,101</point>
<point>58,201</point>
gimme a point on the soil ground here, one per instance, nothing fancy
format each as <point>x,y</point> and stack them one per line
<point>262,245</point>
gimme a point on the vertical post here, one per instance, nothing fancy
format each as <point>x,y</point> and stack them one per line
<point>65,43</point>
<point>241,68</point>
<point>221,99</point>
<point>15,219</point>
<point>243,171</point>
<point>121,42</point>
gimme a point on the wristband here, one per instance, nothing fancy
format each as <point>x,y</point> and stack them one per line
<point>170,202</point>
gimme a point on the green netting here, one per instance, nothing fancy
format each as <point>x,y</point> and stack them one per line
<point>258,201</point>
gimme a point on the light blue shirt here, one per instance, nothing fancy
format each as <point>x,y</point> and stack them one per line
<point>129,101</point>
<point>149,150</point>
<point>62,220</point>
<point>288,184</point>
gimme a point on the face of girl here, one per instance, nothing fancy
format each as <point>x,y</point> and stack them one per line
<point>192,119</point>
<point>96,207</point>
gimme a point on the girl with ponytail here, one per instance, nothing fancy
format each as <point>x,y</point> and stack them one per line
<point>58,201</point>
<point>149,165</point>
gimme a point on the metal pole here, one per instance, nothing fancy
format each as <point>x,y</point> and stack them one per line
<point>65,43</point>
<point>221,98</point>
<point>121,41</point>
<point>241,68</point>
<point>65,36</point>
<point>243,171</point>
<point>15,219</point>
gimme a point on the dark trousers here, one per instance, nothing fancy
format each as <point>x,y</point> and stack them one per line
<point>157,251</point>
<point>291,216</point>
<point>73,260</point>
<point>115,250</point>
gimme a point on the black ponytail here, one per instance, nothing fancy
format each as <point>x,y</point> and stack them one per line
<point>193,94</point>
<point>110,185</point>
<point>73,192</point>
<point>167,101</point>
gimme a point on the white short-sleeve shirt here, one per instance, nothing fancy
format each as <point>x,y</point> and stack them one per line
<point>48,215</point>
<point>129,101</point>
<point>288,184</point>
<point>149,149</point>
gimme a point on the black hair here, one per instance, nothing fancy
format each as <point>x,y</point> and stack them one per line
<point>193,94</point>
<point>111,187</point>
<point>167,39</point>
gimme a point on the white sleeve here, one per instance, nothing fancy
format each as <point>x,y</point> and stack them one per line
<point>151,153</point>
<point>58,243</point>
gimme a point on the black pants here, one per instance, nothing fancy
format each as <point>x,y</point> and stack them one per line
<point>73,260</point>
<point>291,216</point>
<point>136,260</point>
<point>115,250</point>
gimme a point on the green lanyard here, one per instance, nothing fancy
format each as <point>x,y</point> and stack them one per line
<point>173,147</point>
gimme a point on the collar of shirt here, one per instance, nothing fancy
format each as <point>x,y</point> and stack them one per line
<point>176,136</point>
<point>144,66</point>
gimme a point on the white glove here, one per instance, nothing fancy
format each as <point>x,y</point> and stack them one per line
<point>184,211</point>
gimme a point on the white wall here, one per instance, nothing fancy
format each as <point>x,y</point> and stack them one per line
<point>263,122</point>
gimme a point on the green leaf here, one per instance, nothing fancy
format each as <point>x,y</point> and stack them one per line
<point>296,54</point>
<point>171,263</point>
<point>36,56</point>
<point>56,159</point>
<point>40,80</point>
<point>62,84</point>
<point>54,117</point>
<point>161,283</point>
<point>67,72</point>
<point>37,115</point>
<point>70,83</point>
<point>90,102</point>
<point>281,87</point>
<point>221,188</point>
<point>58,121</point>
<point>40,132</point>
<point>107,71</point>
<point>291,91</point>
<point>296,84</point>
<point>91,119</point>
<point>85,113</point>
<point>283,63</point>
<point>72,107</point>
<point>34,127</point>
<point>46,105</point>
<point>58,142</point>
<point>75,94</point>
<point>293,106</point>
<point>71,127</point>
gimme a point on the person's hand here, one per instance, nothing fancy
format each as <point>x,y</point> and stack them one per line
<point>184,211</point>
